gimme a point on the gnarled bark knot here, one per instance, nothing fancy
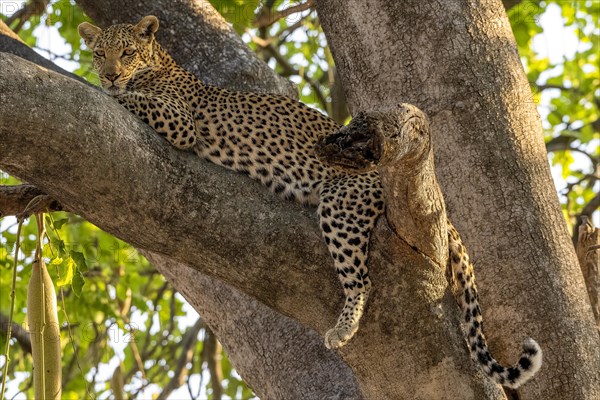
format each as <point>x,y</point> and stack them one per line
<point>397,142</point>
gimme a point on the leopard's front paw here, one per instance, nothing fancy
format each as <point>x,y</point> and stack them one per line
<point>339,336</point>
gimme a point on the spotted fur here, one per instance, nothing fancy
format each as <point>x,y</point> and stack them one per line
<point>272,139</point>
<point>463,277</point>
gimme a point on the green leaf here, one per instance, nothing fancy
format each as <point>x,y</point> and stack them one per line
<point>59,223</point>
<point>60,247</point>
<point>56,261</point>
<point>79,259</point>
<point>67,274</point>
<point>77,284</point>
<point>554,119</point>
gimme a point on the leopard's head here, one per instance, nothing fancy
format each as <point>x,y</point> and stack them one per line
<point>121,51</point>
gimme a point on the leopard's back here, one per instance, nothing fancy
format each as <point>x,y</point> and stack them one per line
<point>270,138</point>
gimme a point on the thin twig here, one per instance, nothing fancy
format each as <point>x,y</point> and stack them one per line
<point>267,17</point>
<point>288,69</point>
<point>187,346</point>
<point>13,294</point>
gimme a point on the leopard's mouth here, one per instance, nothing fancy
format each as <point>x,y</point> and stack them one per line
<point>113,89</point>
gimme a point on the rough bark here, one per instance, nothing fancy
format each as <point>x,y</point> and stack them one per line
<point>379,91</point>
<point>414,203</point>
<point>459,63</point>
<point>588,253</point>
<point>95,146</point>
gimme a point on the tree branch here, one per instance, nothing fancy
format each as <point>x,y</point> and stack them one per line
<point>14,200</point>
<point>397,140</point>
<point>462,69</point>
<point>173,194</point>
<point>211,352</point>
<point>289,69</point>
<point>12,43</point>
<point>268,17</point>
<point>198,196</point>
<point>100,173</point>
<point>298,351</point>
<point>339,105</point>
<point>508,4</point>
<point>565,143</point>
<point>17,332</point>
<point>282,35</point>
<point>188,342</point>
<point>559,143</point>
<point>591,206</point>
<point>30,9</point>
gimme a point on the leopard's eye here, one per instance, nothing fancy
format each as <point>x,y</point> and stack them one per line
<point>99,53</point>
<point>128,52</point>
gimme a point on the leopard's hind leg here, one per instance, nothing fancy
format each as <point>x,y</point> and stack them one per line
<point>348,209</point>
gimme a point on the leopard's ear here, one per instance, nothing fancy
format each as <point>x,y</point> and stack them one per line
<point>146,27</point>
<point>89,33</point>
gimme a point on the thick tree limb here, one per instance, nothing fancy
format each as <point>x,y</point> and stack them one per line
<point>415,205</point>
<point>99,141</point>
<point>11,43</point>
<point>291,357</point>
<point>292,238</point>
<point>99,167</point>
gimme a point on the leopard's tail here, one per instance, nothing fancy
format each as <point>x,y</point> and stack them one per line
<point>466,292</point>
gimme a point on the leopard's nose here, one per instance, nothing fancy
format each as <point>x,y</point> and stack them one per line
<point>112,76</point>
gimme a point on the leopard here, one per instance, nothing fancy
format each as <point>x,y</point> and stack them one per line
<point>273,139</point>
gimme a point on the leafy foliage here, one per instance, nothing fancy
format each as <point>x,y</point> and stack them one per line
<point>566,88</point>
<point>123,313</point>
<point>119,308</point>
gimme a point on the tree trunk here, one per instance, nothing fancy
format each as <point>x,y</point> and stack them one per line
<point>458,61</point>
